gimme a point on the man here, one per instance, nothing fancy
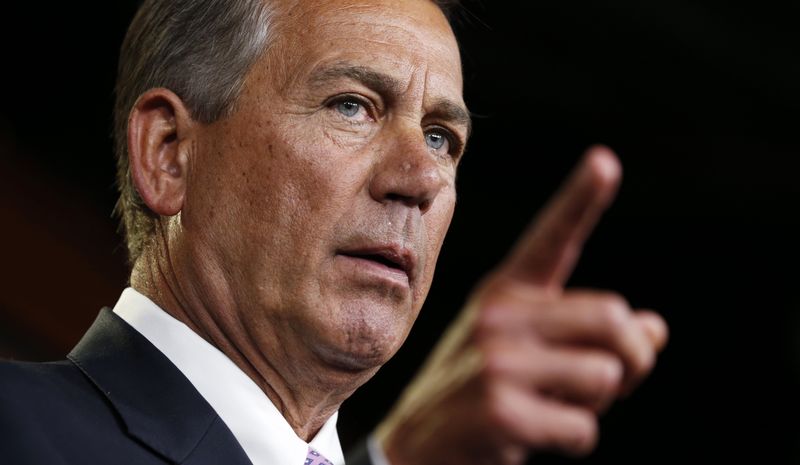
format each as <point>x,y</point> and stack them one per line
<point>287,177</point>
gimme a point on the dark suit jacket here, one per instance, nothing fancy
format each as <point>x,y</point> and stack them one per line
<point>116,400</point>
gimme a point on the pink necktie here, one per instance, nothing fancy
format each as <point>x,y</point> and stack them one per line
<point>315,458</point>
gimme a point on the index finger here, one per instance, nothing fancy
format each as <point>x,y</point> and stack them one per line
<point>547,252</point>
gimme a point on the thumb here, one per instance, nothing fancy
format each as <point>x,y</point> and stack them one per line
<point>654,327</point>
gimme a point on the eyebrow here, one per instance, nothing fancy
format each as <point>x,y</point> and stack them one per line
<point>387,85</point>
<point>451,111</point>
<point>375,80</point>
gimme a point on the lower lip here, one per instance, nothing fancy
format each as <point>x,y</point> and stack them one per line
<point>371,270</point>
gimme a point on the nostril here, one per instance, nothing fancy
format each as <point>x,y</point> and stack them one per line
<point>406,200</point>
<point>423,203</point>
<point>398,197</point>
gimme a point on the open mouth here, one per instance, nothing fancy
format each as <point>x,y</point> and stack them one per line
<point>390,258</point>
<point>378,258</point>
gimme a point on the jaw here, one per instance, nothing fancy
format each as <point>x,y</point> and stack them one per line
<point>363,330</point>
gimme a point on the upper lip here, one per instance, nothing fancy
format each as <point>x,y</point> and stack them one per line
<point>400,257</point>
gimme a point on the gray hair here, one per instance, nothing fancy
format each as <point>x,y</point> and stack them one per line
<point>199,49</point>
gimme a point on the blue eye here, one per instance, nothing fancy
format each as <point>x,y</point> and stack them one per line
<point>437,140</point>
<point>348,108</point>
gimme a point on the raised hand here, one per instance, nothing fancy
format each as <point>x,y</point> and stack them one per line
<point>528,365</point>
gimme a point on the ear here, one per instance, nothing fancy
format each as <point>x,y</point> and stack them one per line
<point>159,139</point>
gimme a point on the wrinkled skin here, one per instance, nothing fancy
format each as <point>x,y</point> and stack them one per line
<point>347,137</point>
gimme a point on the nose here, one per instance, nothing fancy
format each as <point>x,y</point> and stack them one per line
<point>408,172</point>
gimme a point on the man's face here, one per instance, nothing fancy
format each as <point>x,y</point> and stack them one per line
<point>315,213</point>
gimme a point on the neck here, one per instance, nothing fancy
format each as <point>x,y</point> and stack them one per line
<point>306,398</point>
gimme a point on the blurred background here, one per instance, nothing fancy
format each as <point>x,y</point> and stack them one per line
<point>700,99</point>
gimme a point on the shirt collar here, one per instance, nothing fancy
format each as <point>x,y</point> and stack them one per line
<point>261,430</point>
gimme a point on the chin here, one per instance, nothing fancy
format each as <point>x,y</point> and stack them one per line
<point>351,362</point>
<point>363,342</point>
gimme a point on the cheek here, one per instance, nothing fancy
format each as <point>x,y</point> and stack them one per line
<point>240,190</point>
<point>440,217</point>
<point>437,222</point>
<point>327,171</point>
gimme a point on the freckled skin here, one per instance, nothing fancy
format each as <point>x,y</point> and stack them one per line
<point>276,188</point>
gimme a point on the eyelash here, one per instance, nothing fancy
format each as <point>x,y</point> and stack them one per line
<point>453,141</point>
<point>366,104</point>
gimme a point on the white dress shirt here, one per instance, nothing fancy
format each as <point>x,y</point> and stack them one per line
<point>255,422</point>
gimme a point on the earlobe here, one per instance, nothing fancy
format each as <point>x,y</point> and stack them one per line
<point>159,127</point>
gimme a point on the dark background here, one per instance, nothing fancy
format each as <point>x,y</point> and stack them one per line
<point>700,99</point>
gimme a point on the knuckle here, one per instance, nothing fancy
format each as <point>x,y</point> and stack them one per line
<point>494,364</point>
<point>577,439</point>
<point>607,374</point>
<point>644,362</point>
<point>613,313</point>
<point>613,299</point>
<point>492,317</point>
<point>584,436</point>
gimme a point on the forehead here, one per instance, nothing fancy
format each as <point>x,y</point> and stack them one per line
<point>404,37</point>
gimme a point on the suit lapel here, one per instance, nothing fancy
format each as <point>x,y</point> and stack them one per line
<point>158,405</point>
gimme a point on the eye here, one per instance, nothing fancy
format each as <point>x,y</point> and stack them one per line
<point>435,140</point>
<point>440,141</point>
<point>351,108</point>
<point>348,108</point>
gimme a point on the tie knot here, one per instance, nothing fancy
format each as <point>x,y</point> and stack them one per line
<point>315,458</point>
